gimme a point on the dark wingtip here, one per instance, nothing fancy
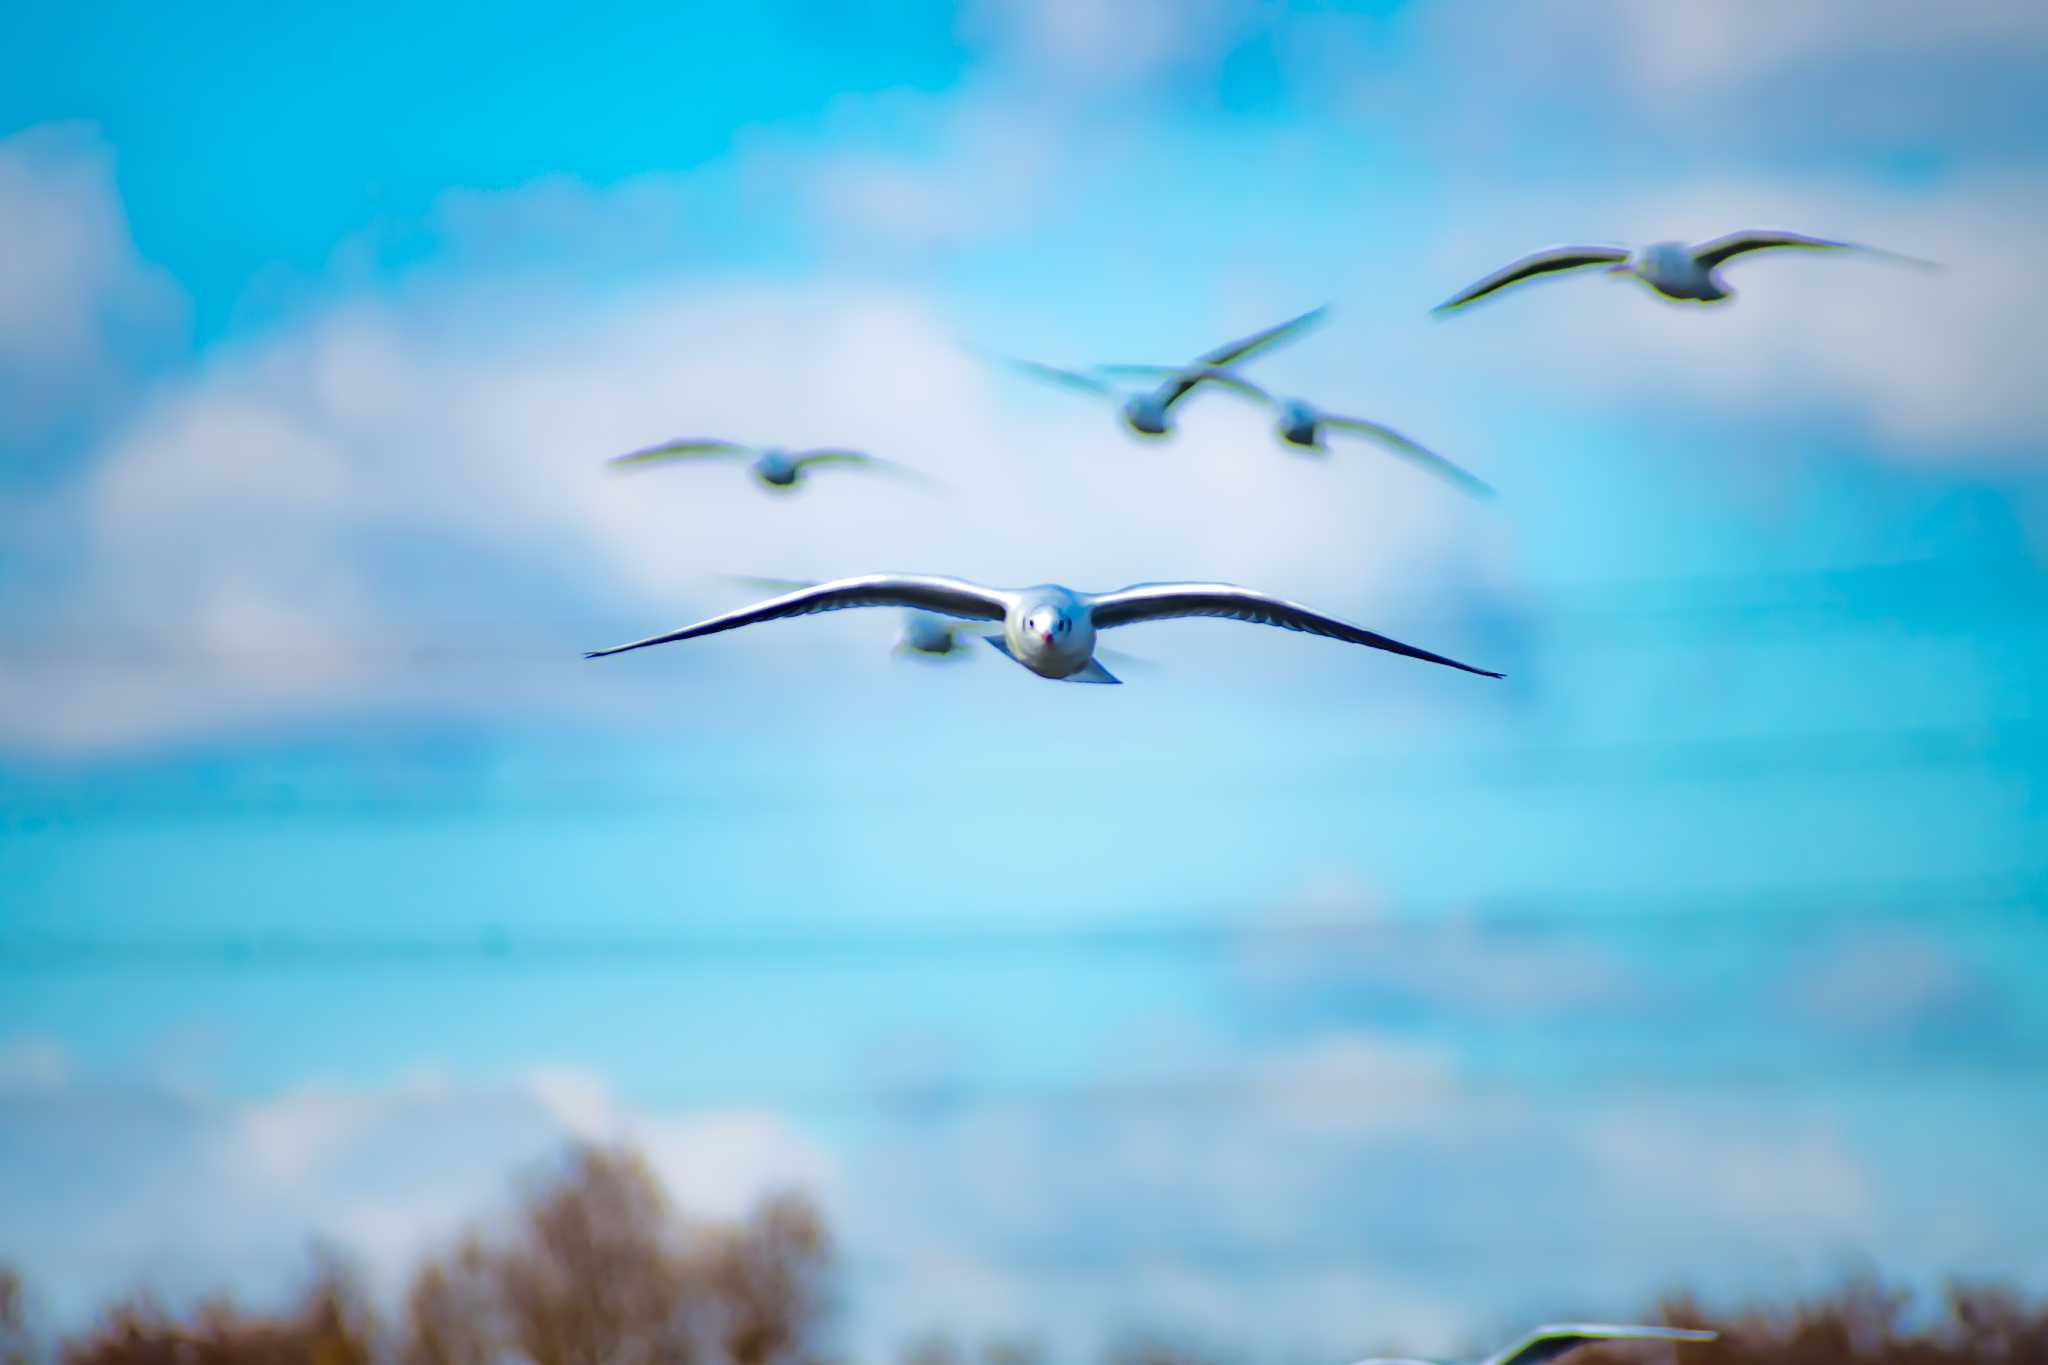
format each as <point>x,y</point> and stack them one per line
<point>595,653</point>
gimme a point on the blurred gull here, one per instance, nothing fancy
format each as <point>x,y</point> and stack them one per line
<point>774,467</point>
<point>1150,413</point>
<point>1548,1343</point>
<point>1303,425</point>
<point>925,635</point>
<point>1672,269</point>
<point>1048,629</point>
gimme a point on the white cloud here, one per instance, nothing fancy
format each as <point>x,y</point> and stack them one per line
<point>1339,943</point>
<point>1891,983</point>
<point>1113,42</point>
<point>1750,73</point>
<point>79,309</point>
<point>288,1137</point>
<point>1679,48</point>
<point>1359,1189</point>
<point>30,1063</point>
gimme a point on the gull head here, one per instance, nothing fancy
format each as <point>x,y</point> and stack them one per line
<point>776,469</point>
<point>1050,632</point>
<point>1047,626</point>
<point>1145,413</point>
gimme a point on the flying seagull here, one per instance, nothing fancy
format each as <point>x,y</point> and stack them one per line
<point>773,466</point>
<point>1150,413</point>
<point>1049,629</point>
<point>1303,425</point>
<point>1548,1343</point>
<point>1689,274</point>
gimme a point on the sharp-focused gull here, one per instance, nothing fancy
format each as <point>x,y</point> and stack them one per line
<point>774,467</point>
<point>1689,274</point>
<point>1049,629</point>
<point>1150,413</point>
<point>1548,1343</point>
<point>1303,425</point>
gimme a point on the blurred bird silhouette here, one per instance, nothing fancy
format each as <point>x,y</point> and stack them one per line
<point>1303,425</point>
<point>1548,1343</point>
<point>1150,413</point>
<point>1673,270</point>
<point>773,466</point>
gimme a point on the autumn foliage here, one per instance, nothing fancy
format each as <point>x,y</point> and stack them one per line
<point>596,1268</point>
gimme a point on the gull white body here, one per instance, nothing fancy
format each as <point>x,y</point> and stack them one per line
<point>1673,270</point>
<point>776,469</point>
<point>1051,631</point>
<point>1301,424</point>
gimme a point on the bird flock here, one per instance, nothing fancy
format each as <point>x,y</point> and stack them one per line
<point>1052,630</point>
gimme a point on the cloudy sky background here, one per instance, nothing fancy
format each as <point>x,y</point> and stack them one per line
<point>1287,996</point>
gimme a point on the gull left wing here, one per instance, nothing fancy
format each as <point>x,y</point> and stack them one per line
<point>1547,262</point>
<point>681,448</point>
<point>1208,367</point>
<point>1167,601</point>
<point>945,596</point>
<point>1420,454</point>
<point>1548,1343</point>
<point>1726,248</point>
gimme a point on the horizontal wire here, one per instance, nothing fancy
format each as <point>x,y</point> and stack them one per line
<point>2021,746</point>
<point>1948,591</point>
<point>2019,901</point>
<point>1213,1096</point>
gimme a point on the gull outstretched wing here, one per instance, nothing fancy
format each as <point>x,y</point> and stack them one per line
<point>1546,262</point>
<point>1548,1343</point>
<point>1054,374</point>
<point>1167,601</point>
<point>1422,455</point>
<point>1245,347</point>
<point>1721,249</point>
<point>861,460</point>
<point>1188,376</point>
<point>945,596</point>
<point>681,448</point>
<point>1206,367</point>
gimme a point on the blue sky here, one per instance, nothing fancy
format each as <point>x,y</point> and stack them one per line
<point>1276,995</point>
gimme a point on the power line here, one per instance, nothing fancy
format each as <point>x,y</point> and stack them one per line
<point>2018,902</point>
<point>1940,592</point>
<point>1213,1096</point>
<point>2020,746</point>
